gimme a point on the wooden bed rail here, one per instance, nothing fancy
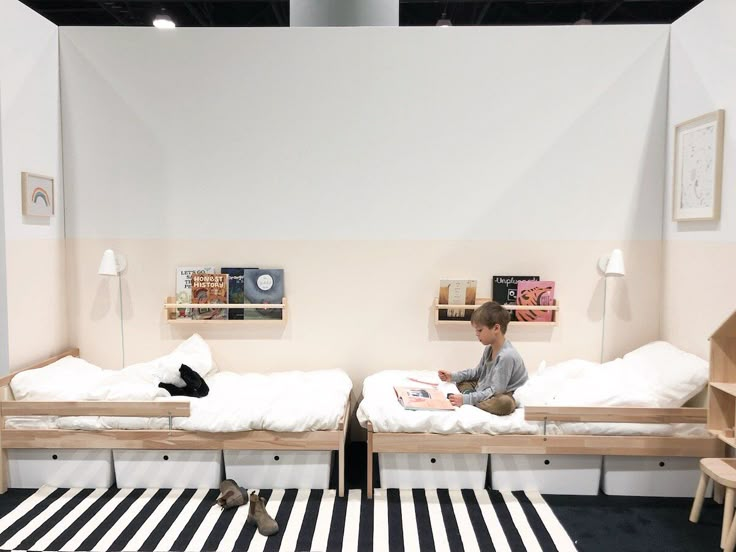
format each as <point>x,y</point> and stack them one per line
<point>94,408</point>
<point>624,414</point>
<point>617,445</point>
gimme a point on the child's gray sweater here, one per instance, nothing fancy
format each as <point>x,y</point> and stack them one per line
<point>503,375</point>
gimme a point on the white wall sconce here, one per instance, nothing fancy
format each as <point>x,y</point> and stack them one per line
<point>112,264</point>
<point>610,265</point>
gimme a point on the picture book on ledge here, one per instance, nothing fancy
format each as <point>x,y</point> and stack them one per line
<point>184,286</point>
<point>457,292</point>
<point>422,398</point>
<point>235,290</point>
<point>504,290</point>
<point>263,286</point>
<point>535,292</point>
<point>209,289</point>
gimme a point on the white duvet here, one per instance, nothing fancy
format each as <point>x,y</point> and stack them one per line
<point>283,401</point>
<point>655,375</point>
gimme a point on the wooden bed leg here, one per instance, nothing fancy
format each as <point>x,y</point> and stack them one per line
<point>699,497</point>
<point>344,426</point>
<point>369,473</point>
<point>4,476</point>
<point>341,468</point>
<point>3,470</point>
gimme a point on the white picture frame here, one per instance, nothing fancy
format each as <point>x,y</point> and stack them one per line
<point>38,195</point>
<point>698,168</point>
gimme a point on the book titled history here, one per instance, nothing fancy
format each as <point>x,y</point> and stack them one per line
<point>503,289</point>
<point>532,293</point>
<point>457,292</point>
<point>235,290</point>
<point>210,290</point>
<point>184,286</point>
<point>263,286</point>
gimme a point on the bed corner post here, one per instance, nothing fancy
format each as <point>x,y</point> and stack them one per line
<point>369,459</point>
<point>345,424</point>
<point>4,477</point>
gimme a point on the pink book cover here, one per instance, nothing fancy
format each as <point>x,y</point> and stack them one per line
<point>420,398</point>
<point>530,292</point>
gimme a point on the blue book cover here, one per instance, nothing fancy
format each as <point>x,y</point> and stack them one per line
<point>235,293</point>
<point>264,286</point>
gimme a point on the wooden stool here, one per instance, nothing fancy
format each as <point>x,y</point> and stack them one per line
<point>722,471</point>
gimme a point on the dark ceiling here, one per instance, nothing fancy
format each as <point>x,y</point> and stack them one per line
<point>260,13</point>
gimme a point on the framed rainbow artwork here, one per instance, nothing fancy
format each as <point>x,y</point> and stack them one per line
<point>38,195</point>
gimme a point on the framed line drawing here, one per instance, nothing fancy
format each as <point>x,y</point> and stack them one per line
<point>698,168</point>
<point>38,195</point>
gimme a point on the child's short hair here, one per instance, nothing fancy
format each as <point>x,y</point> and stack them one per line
<point>489,314</point>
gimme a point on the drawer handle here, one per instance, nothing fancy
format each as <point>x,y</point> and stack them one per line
<point>166,456</point>
<point>433,460</point>
<point>661,464</point>
<point>55,456</point>
<point>276,458</point>
<point>546,462</point>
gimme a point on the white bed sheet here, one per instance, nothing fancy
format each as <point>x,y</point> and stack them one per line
<point>380,407</point>
<point>655,375</point>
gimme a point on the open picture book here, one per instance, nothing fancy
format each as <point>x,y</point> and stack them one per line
<point>426,396</point>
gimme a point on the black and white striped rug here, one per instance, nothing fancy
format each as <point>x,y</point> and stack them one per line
<point>395,520</point>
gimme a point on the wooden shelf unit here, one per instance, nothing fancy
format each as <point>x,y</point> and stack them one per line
<point>170,306</point>
<point>722,382</point>
<point>480,300</point>
<point>730,441</point>
<point>728,388</point>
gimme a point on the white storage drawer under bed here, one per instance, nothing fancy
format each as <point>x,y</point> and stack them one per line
<point>669,476</point>
<point>432,471</point>
<point>168,469</point>
<point>67,468</point>
<point>279,469</point>
<point>549,474</point>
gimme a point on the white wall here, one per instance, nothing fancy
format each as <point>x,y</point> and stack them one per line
<point>369,163</point>
<point>700,257</point>
<point>30,127</point>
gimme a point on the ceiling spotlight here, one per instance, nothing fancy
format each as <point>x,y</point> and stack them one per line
<point>163,21</point>
<point>444,21</point>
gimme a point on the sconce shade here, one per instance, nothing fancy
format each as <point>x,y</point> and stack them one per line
<point>111,264</point>
<point>615,265</point>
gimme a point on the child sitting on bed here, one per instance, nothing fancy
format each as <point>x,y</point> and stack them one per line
<point>490,386</point>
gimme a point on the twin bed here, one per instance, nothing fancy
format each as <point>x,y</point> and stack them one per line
<point>67,403</point>
<point>628,407</point>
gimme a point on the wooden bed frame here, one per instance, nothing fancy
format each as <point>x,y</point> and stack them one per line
<point>612,445</point>
<point>323,440</point>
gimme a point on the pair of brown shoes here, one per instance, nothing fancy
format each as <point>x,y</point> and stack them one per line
<point>232,496</point>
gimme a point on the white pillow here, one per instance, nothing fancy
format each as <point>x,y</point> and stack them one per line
<point>655,375</point>
<point>194,352</point>
<point>68,379</point>
<point>676,375</point>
